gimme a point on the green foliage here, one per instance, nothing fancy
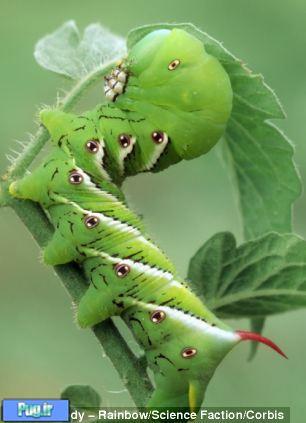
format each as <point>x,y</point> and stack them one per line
<point>81,396</point>
<point>257,325</point>
<point>258,278</point>
<point>67,53</point>
<point>263,171</point>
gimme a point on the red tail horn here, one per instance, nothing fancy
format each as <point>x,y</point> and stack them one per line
<point>251,336</point>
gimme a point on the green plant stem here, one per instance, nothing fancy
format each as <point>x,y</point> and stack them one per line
<point>25,159</point>
<point>131,370</point>
<point>3,200</point>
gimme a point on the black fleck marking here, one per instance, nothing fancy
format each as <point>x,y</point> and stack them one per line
<point>103,116</point>
<point>80,252</point>
<point>134,254</point>
<point>134,319</point>
<point>94,285</point>
<point>165,358</point>
<point>119,304</point>
<point>60,140</point>
<point>48,162</point>
<point>166,302</point>
<point>71,225</point>
<point>104,278</point>
<point>54,173</point>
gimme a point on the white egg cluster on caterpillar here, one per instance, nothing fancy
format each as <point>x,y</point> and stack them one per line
<point>114,83</point>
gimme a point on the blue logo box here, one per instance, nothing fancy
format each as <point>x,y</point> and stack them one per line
<point>35,410</point>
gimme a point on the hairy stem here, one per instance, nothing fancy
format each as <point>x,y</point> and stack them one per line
<point>131,369</point>
<point>22,163</point>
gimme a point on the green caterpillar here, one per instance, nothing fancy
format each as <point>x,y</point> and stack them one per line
<point>168,100</point>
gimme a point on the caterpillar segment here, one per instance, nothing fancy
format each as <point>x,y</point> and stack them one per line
<point>167,101</point>
<point>129,276</point>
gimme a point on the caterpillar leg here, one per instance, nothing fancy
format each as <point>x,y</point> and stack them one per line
<point>180,395</point>
<point>196,392</point>
<point>95,306</point>
<point>27,188</point>
<point>59,250</point>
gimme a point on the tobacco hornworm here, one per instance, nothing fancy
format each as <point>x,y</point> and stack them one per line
<point>168,100</point>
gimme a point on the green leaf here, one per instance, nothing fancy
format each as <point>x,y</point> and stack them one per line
<point>258,278</point>
<point>257,325</point>
<point>67,53</point>
<point>260,158</point>
<point>81,396</point>
<point>258,155</point>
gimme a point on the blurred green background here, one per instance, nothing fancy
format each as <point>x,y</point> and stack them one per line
<point>42,350</point>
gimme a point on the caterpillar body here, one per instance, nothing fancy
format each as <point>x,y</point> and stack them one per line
<point>167,101</point>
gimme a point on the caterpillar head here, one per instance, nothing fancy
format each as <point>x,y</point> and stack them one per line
<point>180,88</point>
